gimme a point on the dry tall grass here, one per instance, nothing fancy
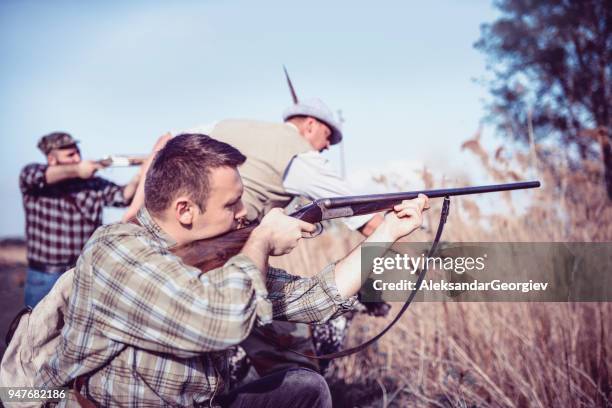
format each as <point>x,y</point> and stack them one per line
<point>488,354</point>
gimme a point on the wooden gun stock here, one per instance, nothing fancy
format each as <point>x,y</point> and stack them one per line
<point>211,253</point>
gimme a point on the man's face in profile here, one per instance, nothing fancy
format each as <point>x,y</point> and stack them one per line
<point>224,208</point>
<point>65,155</point>
<point>318,134</point>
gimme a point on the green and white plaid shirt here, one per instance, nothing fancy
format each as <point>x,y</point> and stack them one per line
<point>150,330</point>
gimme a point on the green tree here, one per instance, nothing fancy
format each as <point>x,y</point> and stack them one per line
<point>551,68</point>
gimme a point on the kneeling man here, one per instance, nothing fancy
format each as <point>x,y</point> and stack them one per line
<point>144,329</point>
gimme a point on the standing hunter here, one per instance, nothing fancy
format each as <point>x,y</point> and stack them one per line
<point>63,202</point>
<point>284,162</point>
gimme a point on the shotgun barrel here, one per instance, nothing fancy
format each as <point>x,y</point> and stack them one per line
<point>444,192</point>
<point>122,161</point>
<point>211,253</point>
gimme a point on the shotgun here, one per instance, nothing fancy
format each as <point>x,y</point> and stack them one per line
<point>211,253</point>
<point>122,161</point>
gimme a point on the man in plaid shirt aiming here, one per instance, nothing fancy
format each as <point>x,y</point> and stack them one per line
<point>63,204</point>
<point>144,329</point>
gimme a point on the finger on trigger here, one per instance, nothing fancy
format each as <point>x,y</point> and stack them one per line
<point>308,227</point>
<point>407,211</point>
<point>404,208</point>
<point>411,212</point>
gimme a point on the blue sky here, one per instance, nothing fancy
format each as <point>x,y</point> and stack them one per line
<point>118,74</point>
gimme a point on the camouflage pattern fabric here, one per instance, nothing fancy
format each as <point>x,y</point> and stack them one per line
<point>266,358</point>
<point>329,338</point>
<point>56,140</point>
<point>258,352</point>
<point>239,365</point>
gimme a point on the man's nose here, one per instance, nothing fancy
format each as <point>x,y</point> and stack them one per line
<point>242,212</point>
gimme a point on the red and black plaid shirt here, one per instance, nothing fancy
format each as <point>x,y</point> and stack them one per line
<point>61,217</point>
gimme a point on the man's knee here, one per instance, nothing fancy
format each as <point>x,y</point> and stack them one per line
<point>309,386</point>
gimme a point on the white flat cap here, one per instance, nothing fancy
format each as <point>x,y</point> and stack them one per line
<point>317,109</point>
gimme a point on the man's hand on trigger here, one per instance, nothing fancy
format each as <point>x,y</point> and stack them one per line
<point>281,232</point>
<point>405,217</point>
<point>87,168</point>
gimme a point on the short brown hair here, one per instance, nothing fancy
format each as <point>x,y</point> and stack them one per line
<point>183,167</point>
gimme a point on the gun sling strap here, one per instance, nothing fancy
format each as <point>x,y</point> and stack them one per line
<point>356,349</point>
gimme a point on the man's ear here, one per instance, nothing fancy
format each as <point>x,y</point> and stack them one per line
<point>51,159</point>
<point>309,124</point>
<point>184,210</point>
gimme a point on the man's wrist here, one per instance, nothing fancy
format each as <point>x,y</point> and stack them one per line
<point>82,171</point>
<point>383,234</point>
<point>257,249</point>
<point>260,240</point>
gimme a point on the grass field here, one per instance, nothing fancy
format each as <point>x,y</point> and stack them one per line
<point>466,354</point>
<point>487,354</point>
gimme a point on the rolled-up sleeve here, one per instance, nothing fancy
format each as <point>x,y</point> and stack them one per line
<point>306,300</point>
<point>32,178</point>
<point>112,194</point>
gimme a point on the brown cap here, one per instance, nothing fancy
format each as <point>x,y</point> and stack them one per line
<point>55,140</point>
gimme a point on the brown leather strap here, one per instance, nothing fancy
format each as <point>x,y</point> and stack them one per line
<point>77,385</point>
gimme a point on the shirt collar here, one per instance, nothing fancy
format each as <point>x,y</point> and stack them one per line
<point>146,220</point>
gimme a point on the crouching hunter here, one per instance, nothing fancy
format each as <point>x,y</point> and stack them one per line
<point>144,329</point>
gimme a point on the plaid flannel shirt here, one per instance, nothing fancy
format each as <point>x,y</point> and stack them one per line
<point>61,217</point>
<point>152,331</point>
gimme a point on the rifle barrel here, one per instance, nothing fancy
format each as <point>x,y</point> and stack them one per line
<point>122,161</point>
<point>444,192</point>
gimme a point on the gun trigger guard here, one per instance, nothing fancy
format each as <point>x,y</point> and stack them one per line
<point>314,234</point>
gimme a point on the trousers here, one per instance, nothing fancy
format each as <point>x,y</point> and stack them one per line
<point>37,285</point>
<point>295,388</point>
